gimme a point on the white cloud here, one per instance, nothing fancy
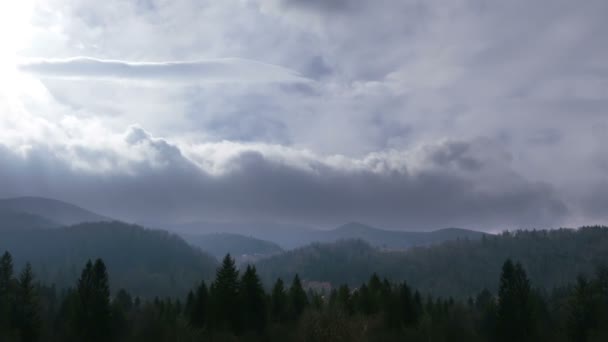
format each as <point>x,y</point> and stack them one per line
<point>219,70</point>
<point>497,96</point>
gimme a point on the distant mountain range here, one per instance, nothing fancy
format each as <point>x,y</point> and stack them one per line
<point>219,238</point>
<point>38,212</point>
<point>293,236</point>
<point>390,239</point>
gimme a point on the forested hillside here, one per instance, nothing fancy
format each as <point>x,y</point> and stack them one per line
<point>11,220</point>
<point>456,268</point>
<point>234,306</point>
<point>395,240</point>
<point>145,262</point>
<point>237,245</point>
<point>61,213</point>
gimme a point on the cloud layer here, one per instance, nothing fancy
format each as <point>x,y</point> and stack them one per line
<point>439,185</point>
<point>421,114</point>
<point>220,70</point>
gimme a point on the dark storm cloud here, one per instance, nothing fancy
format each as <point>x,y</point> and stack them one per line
<point>451,188</point>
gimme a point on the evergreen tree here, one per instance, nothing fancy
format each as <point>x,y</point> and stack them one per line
<point>93,313</point>
<point>27,307</point>
<point>278,302</point>
<point>409,312</point>
<point>298,300</point>
<point>199,305</point>
<point>485,305</point>
<point>583,311</point>
<point>252,301</point>
<point>344,299</point>
<point>515,315</point>
<point>121,307</point>
<point>364,302</point>
<point>6,272</point>
<point>224,293</point>
<point>375,291</point>
<point>7,295</point>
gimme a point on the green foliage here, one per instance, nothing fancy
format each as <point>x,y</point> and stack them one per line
<point>278,302</point>
<point>224,291</point>
<point>198,306</point>
<point>252,301</point>
<point>460,268</point>
<point>92,312</point>
<point>298,301</point>
<point>145,262</point>
<point>26,313</point>
<point>515,316</point>
<point>7,295</point>
<point>237,308</point>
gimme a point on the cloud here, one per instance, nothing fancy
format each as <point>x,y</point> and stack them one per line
<point>439,112</point>
<point>319,5</point>
<point>218,70</point>
<point>141,177</point>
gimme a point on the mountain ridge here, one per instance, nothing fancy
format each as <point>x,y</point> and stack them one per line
<point>60,212</point>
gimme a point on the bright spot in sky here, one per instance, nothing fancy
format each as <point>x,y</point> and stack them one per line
<point>15,35</point>
<point>15,29</point>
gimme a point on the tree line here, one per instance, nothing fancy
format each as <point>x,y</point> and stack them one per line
<point>235,306</point>
<point>457,268</point>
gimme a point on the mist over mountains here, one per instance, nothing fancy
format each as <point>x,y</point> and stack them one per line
<point>56,237</point>
<point>36,212</point>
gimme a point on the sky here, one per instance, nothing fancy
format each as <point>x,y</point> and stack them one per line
<point>404,114</point>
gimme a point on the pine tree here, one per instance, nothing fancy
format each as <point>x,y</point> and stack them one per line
<point>27,308</point>
<point>7,295</point>
<point>6,272</point>
<point>408,306</point>
<point>121,307</point>
<point>583,311</point>
<point>365,301</point>
<point>93,313</point>
<point>375,291</point>
<point>515,315</point>
<point>224,294</point>
<point>252,301</point>
<point>278,300</point>
<point>298,300</point>
<point>344,300</point>
<point>199,305</point>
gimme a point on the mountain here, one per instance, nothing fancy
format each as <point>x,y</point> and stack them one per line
<point>143,261</point>
<point>287,236</point>
<point>59,212</point>
<point>458,268</point>
<point>10,220</point>
<point>390,239</point>
<point>290,236</point>
<point>220,244</point>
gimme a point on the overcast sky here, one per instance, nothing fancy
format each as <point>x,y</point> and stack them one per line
<point>405,114</point>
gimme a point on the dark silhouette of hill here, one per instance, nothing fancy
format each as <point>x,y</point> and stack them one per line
<point>454,268</point>
<point>143,261</point>
<point>220,244</point>
<point>59,212</point>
